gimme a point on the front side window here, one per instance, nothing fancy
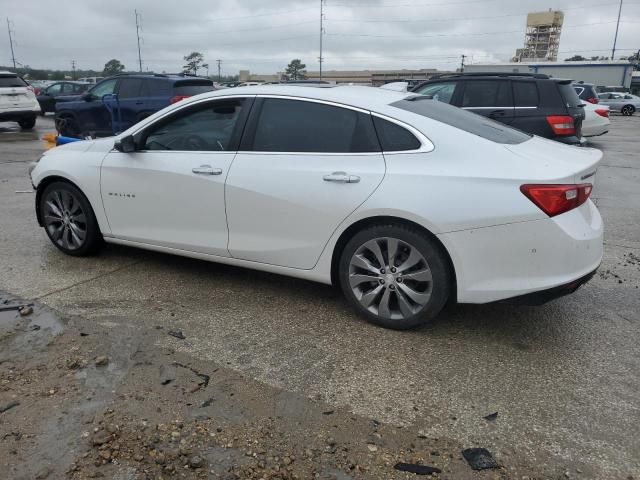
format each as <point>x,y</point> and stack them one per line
<point>105,88</point>
<point>206,127</point>
<point>442,92</point>
<point>486,93</point>
<point>301,126</point>
<point>54,89</point>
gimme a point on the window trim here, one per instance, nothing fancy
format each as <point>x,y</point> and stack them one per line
<point>425,143</point>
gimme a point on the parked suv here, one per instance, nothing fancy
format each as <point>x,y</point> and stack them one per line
<point>17,101</point>
<point>586,92</point>
<point>132,97</point>
<point>534,103</point>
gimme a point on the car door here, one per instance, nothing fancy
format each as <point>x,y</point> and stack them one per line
<point>91,114</point>
<point>170,192</point>
<point>302,168</point>
<point>129,100</point>
<point>489,98</point>
<point>47,97</point>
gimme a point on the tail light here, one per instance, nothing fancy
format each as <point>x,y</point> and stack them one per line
<point>36,90</point>
<point>177,98</point>
<point>556,199</point>
<point>562,124</point>
<point>603,112</point>
<point>593,100</point>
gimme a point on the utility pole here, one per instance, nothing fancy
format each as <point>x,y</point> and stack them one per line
<point>321,34</point>
<point>138,17</point>
<point>219,75</point>
<point>13,56</point>
<point>615,39</point>
<point>462,63</point>
<point>73,69</point>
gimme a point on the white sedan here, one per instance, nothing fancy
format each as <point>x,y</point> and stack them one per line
<point>404,202</point>
<point>596,121</point>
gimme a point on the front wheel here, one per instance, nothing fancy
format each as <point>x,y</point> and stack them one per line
<point>69,220</point>
<point>627,110</point>
<point>395,276</point>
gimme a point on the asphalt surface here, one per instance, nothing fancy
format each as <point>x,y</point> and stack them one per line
<point>563,377</point>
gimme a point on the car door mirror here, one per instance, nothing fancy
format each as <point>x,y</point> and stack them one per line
<point>126,144</point>
<point>87,96</point>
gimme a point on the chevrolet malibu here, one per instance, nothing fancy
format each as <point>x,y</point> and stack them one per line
<point>404,202</point>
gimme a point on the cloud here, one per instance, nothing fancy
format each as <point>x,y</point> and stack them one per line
<point>263,36</point>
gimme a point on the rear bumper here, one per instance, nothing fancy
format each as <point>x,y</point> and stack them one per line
<point>516,259</point>
<point>572,140</point>
<point>543,296</point>
<point>15,115</point>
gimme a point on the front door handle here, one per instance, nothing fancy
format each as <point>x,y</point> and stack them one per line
<point>206,170</point>
<point>341,177</point>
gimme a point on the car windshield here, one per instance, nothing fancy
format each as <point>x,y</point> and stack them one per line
<point>8,81</point>
<point>462,119</point>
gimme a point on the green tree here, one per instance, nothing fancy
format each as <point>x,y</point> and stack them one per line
<point>194,62</point>
<point>296,70</point>
<point>113,67</point>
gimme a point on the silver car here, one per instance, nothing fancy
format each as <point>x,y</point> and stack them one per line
<point>624,103</point>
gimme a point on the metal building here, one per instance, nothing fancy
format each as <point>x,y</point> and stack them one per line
<point>542,37</point>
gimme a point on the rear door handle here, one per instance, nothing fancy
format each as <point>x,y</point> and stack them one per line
<point>139,102</point>
<point>341,177</point>
<point>206,170</point>
<point>497,113</point>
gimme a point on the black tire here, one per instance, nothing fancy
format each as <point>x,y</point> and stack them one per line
<point>58,194</point>
<point>27,123</point>
<point>67,127</point>
<point>627,110</point>
<point>437,289</point>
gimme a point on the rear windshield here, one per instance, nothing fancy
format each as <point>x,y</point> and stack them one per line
<point>11,81</point>
<point>462,119</point>
<point>569,95</point>
<point>192,87</point>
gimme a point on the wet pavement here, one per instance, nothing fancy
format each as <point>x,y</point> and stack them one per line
<point>563,376</point>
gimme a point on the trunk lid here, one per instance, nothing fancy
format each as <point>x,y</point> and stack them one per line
<point>554,162</point>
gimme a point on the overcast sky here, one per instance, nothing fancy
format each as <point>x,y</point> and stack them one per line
<point>263,36</point>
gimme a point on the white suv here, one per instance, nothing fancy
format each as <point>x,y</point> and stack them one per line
<point>18,102</point>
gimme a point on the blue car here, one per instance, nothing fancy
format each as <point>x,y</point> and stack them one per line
<point>131,97</point>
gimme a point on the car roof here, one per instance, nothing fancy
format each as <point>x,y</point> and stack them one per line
<point>4,72</point>
<point>366,98</point>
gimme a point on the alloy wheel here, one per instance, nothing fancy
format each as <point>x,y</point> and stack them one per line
<point>65,219</point>
<point>390,278</point>
<point>627,110</point>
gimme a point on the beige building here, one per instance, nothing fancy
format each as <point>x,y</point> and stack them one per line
<point>542,37</point>
<point>355,77</point>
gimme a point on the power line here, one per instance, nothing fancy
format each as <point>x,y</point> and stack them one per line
<point>138,17</point>
<point>13,56</point>
<point>321,34</point>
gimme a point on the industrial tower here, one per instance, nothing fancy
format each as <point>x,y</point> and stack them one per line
<point>542,38</point>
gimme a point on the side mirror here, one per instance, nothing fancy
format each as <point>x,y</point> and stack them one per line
<point>87,97</point>
<point>125,144</point>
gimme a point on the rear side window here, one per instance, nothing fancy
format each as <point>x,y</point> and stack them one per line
<point>129,88</point>
<point>486,93</point>
<point>393,137</point>
<point>301,126</point>
<point>525,94</point>
<point>569,95</point>
<point>8,81</point>
<point>192,87</point>
<point>462,119</point>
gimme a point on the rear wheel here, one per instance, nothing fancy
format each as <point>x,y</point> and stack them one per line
<point>27,123</point>
<point>395,276</point>
<point>69,220</point>
<point>627,110</point>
